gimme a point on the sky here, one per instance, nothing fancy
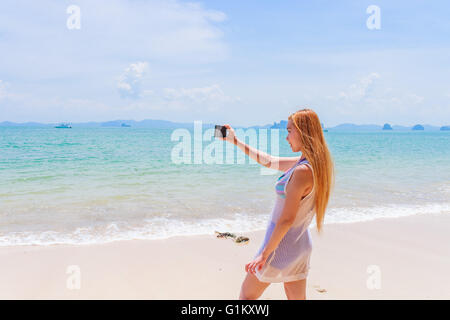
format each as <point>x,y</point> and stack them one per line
<point>238,62</point>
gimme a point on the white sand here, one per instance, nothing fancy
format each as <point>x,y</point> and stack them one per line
<point>412,255</point>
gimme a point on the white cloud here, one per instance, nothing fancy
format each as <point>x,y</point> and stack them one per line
<point>369,100</point>
<point>129,82</point>
<point>210,98</point>
<point>213,15</point>
<point>211,93</point>
<point>3,92</point>
<point>414,98</point>
<point>168,32</point>
<point>55,109</point>
<point>109,57</point>
<point>361,89</point>
<point>190,100</point>
<point>7,94</point>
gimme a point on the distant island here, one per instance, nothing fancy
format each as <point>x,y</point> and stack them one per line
<point>63,126</point>
<point>165,124</point>
<point>280,125</point>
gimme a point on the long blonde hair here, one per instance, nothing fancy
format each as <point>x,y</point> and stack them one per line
<point>316,151</point>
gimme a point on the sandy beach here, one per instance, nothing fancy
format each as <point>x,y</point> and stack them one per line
<point>396,258</point>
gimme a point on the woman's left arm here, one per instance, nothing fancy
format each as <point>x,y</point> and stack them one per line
<point>299,183</point>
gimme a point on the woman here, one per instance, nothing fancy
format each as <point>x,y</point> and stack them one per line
<point>302,192</point>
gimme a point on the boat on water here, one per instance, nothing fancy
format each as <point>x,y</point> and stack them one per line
<point>125,125</point>
<point>64,125</point>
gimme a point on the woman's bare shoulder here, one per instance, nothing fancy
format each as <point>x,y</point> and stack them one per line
<point>303,177</point>
<point>303,171</point>
<point>301,182</point>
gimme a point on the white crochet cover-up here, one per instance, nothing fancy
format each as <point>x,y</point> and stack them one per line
<point>290,260</point>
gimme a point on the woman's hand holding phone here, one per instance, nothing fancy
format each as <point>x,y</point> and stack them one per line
<point>230,137</point>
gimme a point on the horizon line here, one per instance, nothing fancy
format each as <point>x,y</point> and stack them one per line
<point>255,125</point>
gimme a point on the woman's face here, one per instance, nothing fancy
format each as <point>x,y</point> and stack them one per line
<point>293,137</point>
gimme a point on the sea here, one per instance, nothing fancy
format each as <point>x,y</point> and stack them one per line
<point>98,185</point>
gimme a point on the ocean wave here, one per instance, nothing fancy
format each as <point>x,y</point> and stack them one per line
<point>350,215</point>
<point>150,229</point>
<point>163,228</point>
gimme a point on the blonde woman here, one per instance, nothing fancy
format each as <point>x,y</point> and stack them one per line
<point>302,192</point>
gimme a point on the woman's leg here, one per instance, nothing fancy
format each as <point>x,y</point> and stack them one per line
<point>295,290</point>
<point>252,288</point>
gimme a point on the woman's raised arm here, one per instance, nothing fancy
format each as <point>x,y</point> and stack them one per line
<point>263,158</point>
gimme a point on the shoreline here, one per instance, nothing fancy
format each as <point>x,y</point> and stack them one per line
<point>406,256</point>
<point>432,209</point>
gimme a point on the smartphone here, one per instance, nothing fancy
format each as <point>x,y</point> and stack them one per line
<point>220,131</point>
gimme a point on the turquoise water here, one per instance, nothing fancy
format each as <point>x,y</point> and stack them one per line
<point>93,185</point>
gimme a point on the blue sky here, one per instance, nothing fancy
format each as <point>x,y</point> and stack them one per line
<point>237,62</point>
